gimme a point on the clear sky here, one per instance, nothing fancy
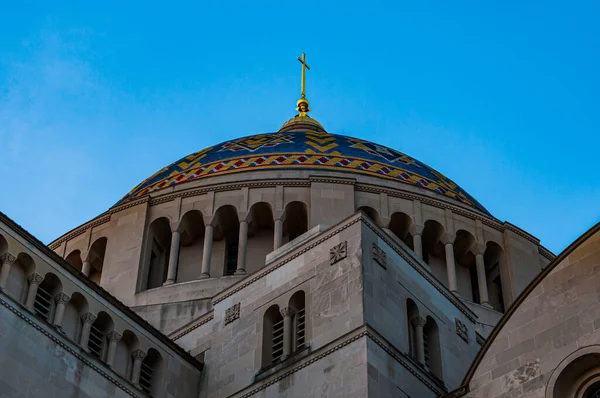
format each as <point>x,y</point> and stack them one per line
<point>503,97</point>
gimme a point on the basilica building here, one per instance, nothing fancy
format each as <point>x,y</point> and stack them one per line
<point>298,263</point>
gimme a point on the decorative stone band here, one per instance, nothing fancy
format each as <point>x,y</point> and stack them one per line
<point>379,256</point>
<point>357,334</point>
<point>62,298</point>
<point>7,258</point>
<point>35,279</point>
<point>338,252</point>
<point>232,313</point>
<point>190,327</point>
<point>461,330</point>
<point>51,334</point>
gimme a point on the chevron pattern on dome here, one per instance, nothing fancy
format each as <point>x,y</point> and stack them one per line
<point>302,150</point>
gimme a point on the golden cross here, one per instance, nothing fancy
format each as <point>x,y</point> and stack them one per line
<point>304,67</point>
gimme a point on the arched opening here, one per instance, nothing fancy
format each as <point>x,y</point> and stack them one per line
<point>96,259</point>
<point>44,304</point>
<point>158,248</point>
<point>260,236</point>
<point>123,358</point>
<point>97,343</point>
<point>225,241</point>
<point>400,224</point>
<point>580,378</point>
<point>372,214</point>
<point>74,259</point>
<point>72,323</point>
<point>295,222</point>
<point>433,249</point>
<point>298,306</point>
<point>412,316</point>
<point>493,259</point>
<point>466,270</point>
<point>151,373</point>
<point>17,284</point>
<point>191,227</point>
<point>272,347</point>
<point>431,346</point>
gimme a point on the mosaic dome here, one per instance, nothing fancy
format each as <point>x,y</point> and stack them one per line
<point>315,150</point>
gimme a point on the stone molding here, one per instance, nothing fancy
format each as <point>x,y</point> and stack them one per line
<point>254,277</point>
<point>35,279</point>
<point>358,333</point>
<point>102,219</point>
<point>62,298</point>
<point>338,252</point>
<point>138,354</point>
<point>332,180</point>
<point>191,327</point>
<point>7,258</point>
<point>461,330</point>
<point>113,336</point>
<point>546,253</point>
<point>379,255</point>
<point>232,313</point>
<point>88,317</point>
<point>76,353</point>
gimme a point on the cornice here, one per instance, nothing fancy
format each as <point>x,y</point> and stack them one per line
<point>66,347</point>
<point>185,329</point>
<point>520,232</point>
<point>546,253</point>
<point>421,270</point>
<point>230,291</point>
<point>332,180</point>
<point>101,219</point>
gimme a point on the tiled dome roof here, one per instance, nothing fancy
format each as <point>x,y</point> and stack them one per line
<point>316,150</point>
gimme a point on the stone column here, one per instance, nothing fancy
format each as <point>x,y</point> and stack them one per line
<point>86,268</point>
<point>419,341</point>
<point>288,333</point>
<point>451,268</point>
<point>418,245</point>
<point>242,245</point>
<point>113,339</point>
<point>278,235</point>
<point>61,302</point>
<point>138,356</point>
<point>208,238</point>
<point>87,320</point>
<point>34,282</point>
<point>7,260</point>
<point>173,258</point>
<point>482,280</point>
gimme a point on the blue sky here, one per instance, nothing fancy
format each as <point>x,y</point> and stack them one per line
<point>502,97</point>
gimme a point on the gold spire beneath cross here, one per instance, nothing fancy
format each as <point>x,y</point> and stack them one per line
<point>302,104</point>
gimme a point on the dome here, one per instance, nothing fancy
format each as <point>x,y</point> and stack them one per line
<point>315,150</point>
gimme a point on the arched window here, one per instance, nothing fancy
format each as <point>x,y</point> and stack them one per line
<point>97,343</point>
<point>74,259</point>
<point>466,269</point>
<point>433,249</point>
<point>412,314</point>
<point>123,358</point>
<point>158,248</point>
<point>272,336</point>
<point>226,240</point>
<point>579,378</point>
<point>44,304</point>
<point>191,246</point>
<point>372,214</point>
<point>431,347</point>
<point>261,229</point>
<point>400,225</point>
<point>16,285</point>
<point>296,221</point>
<point>151,373</point>
<point>74,309</point>
<point>493,260</point>
<point>298,306</point>
<point>96,259</point>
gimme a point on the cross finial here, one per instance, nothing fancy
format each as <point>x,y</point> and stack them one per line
<point>303,102</point>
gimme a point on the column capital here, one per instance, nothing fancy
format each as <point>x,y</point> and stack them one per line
<point>88,317</point>
<point>7,258</point>
<point>35,279</point>
<point>286,311</point>
<point>138,354</point>
<point>448,238</point>
<point>62,298</point>
<point>113,336</point>
<point>418,321</point>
